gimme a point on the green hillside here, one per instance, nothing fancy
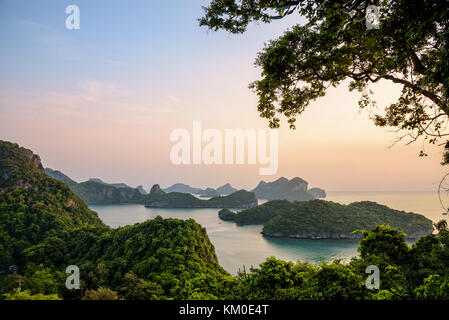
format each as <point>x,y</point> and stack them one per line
<point>33,206</point>
<point>44,227</point>
<point>263,213</point>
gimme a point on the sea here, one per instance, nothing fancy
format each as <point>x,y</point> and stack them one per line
<point>239,247</point>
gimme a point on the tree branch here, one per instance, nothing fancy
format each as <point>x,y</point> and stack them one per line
<point>432,96</point>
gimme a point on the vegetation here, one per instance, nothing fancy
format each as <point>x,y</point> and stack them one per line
<point>33,206</point>
<point>264,213</point>
<point>100,294</point>
<point>410,49</point>
<point>226,215</point>
<point>319,219</point>
<point>26,295</point>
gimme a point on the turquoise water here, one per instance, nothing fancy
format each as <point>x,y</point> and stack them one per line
<point>238,246</point>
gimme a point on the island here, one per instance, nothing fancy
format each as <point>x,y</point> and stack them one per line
<point>226,214</point>
<point>159,199</point>
<point>296,189</point>
<point>224,190</point>
<point>96,191</point>
<point>319,219</point>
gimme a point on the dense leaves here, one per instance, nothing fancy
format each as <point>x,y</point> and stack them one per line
<point>33,206</point>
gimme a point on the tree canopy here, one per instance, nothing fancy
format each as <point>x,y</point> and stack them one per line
<point>410,48</point>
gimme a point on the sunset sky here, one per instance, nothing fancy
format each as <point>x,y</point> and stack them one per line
<point>101,102</point>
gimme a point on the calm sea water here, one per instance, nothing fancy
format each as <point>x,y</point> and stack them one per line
<point>238,246</point>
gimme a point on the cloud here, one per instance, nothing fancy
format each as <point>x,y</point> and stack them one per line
<point>94,100</point>
<point>61,46</point>
<point>32,24</point>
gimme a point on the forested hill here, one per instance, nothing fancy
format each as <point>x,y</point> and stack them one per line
<point>33,206</point>
<point>319,219</point>
<point>45,227</point>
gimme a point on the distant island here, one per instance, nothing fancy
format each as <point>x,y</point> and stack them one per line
<point>116,185</point>
<point>159,199</point>
<point>96,191</point>
<point>319,219</point>
<point>295,189</point>
<point>224,190</point>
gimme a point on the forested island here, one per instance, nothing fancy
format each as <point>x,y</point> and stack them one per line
<point>239,199</point>
<point>96,191</point>
<point>319,219</point>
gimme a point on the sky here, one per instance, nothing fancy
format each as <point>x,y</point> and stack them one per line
<point>102,101</point>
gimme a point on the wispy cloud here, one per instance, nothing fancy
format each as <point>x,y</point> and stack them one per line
<point>61,46</point>
<point>93,100</point>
